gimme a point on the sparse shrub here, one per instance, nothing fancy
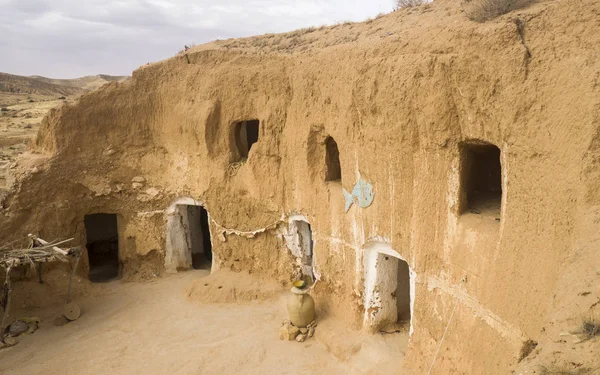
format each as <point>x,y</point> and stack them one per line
<point>484,10</point>
<point>564,371</point>
<point>4,109</point>
<point>591,327</point>
<point>409,3</point>
<point>31,101</point>
<point>299,32</point>
<point>62,98</point>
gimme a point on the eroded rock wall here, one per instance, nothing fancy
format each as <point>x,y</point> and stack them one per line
<point>399,109</point>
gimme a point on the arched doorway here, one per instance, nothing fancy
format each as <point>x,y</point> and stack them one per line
<point>188,236</point>
<point>389,289</point>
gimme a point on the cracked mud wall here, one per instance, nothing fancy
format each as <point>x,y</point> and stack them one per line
<point>398,110</point>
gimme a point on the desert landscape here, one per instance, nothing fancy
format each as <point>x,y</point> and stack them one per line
<point>24,101</point>
<point>413,194</point>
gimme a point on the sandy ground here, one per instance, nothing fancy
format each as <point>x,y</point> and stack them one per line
<point>154,328</point>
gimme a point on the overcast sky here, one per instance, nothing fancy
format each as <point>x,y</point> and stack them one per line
<point>72,38</point>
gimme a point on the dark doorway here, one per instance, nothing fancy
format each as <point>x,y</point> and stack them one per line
<point>102,246</point>
<point>481,178</point>
<point>199,234</point>
<point>403,292</point>
<point>333,170</point>
<point>245,135</point>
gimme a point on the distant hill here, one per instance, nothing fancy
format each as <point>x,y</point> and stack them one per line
<point>87,83</point>
<point>49,87</point>
<point>14,84</point>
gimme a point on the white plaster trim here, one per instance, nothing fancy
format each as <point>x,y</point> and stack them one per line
<point>371,250</point>
<point>297,217</point>
<point>291,235</point>
<point>249,234</point>
<point>186,201</point>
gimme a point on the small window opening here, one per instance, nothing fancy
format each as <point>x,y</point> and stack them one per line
<point>481,179</point>
<point>102,246</point>
<point>245,135</point>
<point>198,232</point>
<point>333,171</point>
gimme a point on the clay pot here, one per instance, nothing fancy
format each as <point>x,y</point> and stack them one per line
<point>301,307</point>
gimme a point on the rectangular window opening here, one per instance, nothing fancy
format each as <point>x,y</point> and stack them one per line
<point>245,135</point>
<point>481,179</point>
<point>333,169</point>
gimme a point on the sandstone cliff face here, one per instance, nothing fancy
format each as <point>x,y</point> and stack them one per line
<point>401,98</point>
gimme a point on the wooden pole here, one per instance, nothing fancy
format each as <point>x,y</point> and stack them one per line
<point>39,272</point>
<point>77,257</point>
<point>5,301</point>
<point>57,249</point>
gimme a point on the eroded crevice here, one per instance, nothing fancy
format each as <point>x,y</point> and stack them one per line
<point>520,24</point>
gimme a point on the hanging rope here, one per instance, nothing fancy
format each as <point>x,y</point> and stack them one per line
<point>442,340</point>
<point>232,169</point>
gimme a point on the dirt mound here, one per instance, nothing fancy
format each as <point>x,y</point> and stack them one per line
<point>225,286</point>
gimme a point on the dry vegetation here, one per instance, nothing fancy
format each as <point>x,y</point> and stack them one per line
<point>297,40</point>
<point>484,10</point>
<point>590,327</point>
<point>312,38</point>
<point>409,3</point>
<point>553,370</point>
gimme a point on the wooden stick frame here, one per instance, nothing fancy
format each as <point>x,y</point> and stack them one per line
<point>10,263</point>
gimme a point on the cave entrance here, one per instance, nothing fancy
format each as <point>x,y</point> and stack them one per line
<point>245,134</point>
<point>102,246</point>
<point>189,243</point>
<point>480,178</point>
<point>389,287</point>
<point>199,233</point>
